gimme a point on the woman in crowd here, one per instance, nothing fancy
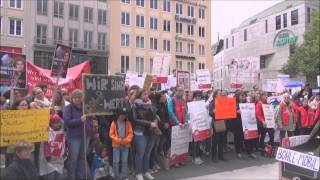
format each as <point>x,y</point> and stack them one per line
<point>58,102</point>
<point>285,117</point>
<point>39,101</point>
<point>78,128</point>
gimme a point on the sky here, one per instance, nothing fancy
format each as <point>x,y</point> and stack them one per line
<point>228,14</point>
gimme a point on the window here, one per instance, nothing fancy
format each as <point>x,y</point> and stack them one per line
<point>166,45</point>
<point>41,34</point>
<point>245,35</point>
<point>166,5</point>
<point>190,47</point>
<point>266,26</point>
<point>88,12</point>
<point>139,65</point>
<point>102,17</point>
<point>151,65</point>
<point>190,30</point>
<point>191,67</point>
<point>0,24</point>
<point>201,32</point>
<point>262,62</point>
<point>294,17</point>
<point>278,22</point>
<point>201,50</point>
<point>15,27</point>
<point>232,41</point>
<point>87,39</point>
<point>102,41</point>
<point>285,20</point>
<point>191,11</point>
<point>154,43</point>
<point>57,34</point>
<point>166,25</point>
<point>227,43</point>
<point>124,64</point>
<point>154,4</point>
<point>202,13</point>
<point>178,8</point>
<point>153,23</point>
<point>179,65</point>
<point>139,42</point>
<point>42,7</point>
<point>179,28</point>
<point>58,9</point>
<point>139,21</point>
<point>179,46</point>
<point>202,66</point>
<point>140,3</point>
<point>125,1</point>
<point>74,12</point>
<point>125,18</point>
<point>308,15</point>
<point>16,4</point>
<point>125,40</point>
<point>73,37</point>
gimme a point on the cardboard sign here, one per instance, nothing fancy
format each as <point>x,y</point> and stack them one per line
<point>12,71</point>
<point>160,67</point>
<point>199,120</point>
<point>299,159</point>
<point>269,115</point>
<point>61,61</point>
<point>269,85</point>
<point>249,122</point>
<point>29,125</point>
<point>102,94</point>
<point>172,82</point>
<point>147,81</point>
<point>225,108</point>
<point>130,77</point>
<point>193,83</point>
<point>183,78</point>
<point>203,78</point>
<point>180,138</point>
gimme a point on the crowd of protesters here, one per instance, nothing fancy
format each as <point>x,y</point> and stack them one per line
<point>135,139</point>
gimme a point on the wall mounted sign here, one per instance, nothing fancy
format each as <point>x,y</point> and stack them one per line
<point>285,37</point>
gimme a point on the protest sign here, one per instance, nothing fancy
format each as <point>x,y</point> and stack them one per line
<point>282,80</point>
<point>225,108</point>
<point>269,85</point>
<point>299,159</point>
<point>60,61</point>
<point>199,120</point>
<point>130,76</point>
<point>102,94</point>
<point>28,125</point>
<point>274,100</point>
<point>172,82</point>
<point>160,67</point>
<point>249,122</point>
<point>193,82</point>
<point>12,71</point>
<point>293,141</point>
<point>183,78</point>
<point>203,78</point>
<point>269,115</point>
<point>147,81</point>
<point>180,138</point>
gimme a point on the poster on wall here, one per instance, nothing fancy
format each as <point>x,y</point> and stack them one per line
<point>160,67</point>
<point>249,122</point>
<point>12,71</point>
<point>183,78</point>
<point>60,61</point>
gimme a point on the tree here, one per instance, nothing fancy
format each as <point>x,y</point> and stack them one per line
<point>305,59</point>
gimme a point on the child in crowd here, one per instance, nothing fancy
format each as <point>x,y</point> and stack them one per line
<point>121,134</point>
<point>100,167</point>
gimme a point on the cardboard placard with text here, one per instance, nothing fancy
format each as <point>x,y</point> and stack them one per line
<point>249,121</point>
<point>160,67</point>
<point>225,108</point>
<point>199,120</point>
<point>183,78</point>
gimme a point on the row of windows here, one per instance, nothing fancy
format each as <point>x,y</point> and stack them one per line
<point>16,4</point>
<point>140,43</point>
<point>41,37</point>
<point>167,7</point>
<point>58,12</point>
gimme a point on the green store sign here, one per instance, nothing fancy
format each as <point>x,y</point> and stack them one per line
<point>285,37</point>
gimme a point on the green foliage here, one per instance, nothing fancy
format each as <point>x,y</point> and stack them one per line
<point>306,58</point>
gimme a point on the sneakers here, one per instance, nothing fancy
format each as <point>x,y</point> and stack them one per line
<point>139,177</point>
<point>239,156</point>
<point>198,161</point>
<point>252,156</point>
<point>148,175</point>
<point>157,167</point>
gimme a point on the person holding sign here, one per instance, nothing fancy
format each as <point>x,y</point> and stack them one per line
<point>285,119</point>
<point>78,132</point>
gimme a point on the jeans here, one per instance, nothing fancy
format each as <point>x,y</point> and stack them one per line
<point>77,158</point>
<point>217,145</point>
<point>120,153</point>
<point>155,155</point>
<point>144,145</point>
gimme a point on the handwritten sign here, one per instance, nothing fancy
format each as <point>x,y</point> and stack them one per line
<point>29,125</point>
<point>180,138</point>
<point>203,78</point>
<point>249,122</point>
<point>130,77</point>
<point>102,94</point>
<point>183,78</point>
<point>160,67</point>
<point>199,120</point>
<point>147,81</point>
<point>225,108</point>
<point>298,159</point>
<point>269,116</point>
<point>60,61</point>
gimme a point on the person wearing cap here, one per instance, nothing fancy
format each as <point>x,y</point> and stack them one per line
<point>121,134</point>
<point>22,167</point>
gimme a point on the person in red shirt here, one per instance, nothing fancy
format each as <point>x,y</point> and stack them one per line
<point>306,118</point>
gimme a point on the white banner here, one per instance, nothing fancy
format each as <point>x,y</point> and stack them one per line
<point>203,78</point>
<point>180,138</point>
<point>296,158</point>
<point>269,116</point>
<point>161,63</point>
<point>269,85</point>
<point>172,82</point>
<point>132,78</point>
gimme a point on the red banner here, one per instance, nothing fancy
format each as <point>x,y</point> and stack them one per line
<point>73,80</point>
<point>225,108</point>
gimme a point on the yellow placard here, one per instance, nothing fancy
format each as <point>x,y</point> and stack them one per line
<point>147,81</point>
<point>28,125</point>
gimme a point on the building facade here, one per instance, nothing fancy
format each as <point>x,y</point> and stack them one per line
<point>270,35</point>
<point>141,28</point>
